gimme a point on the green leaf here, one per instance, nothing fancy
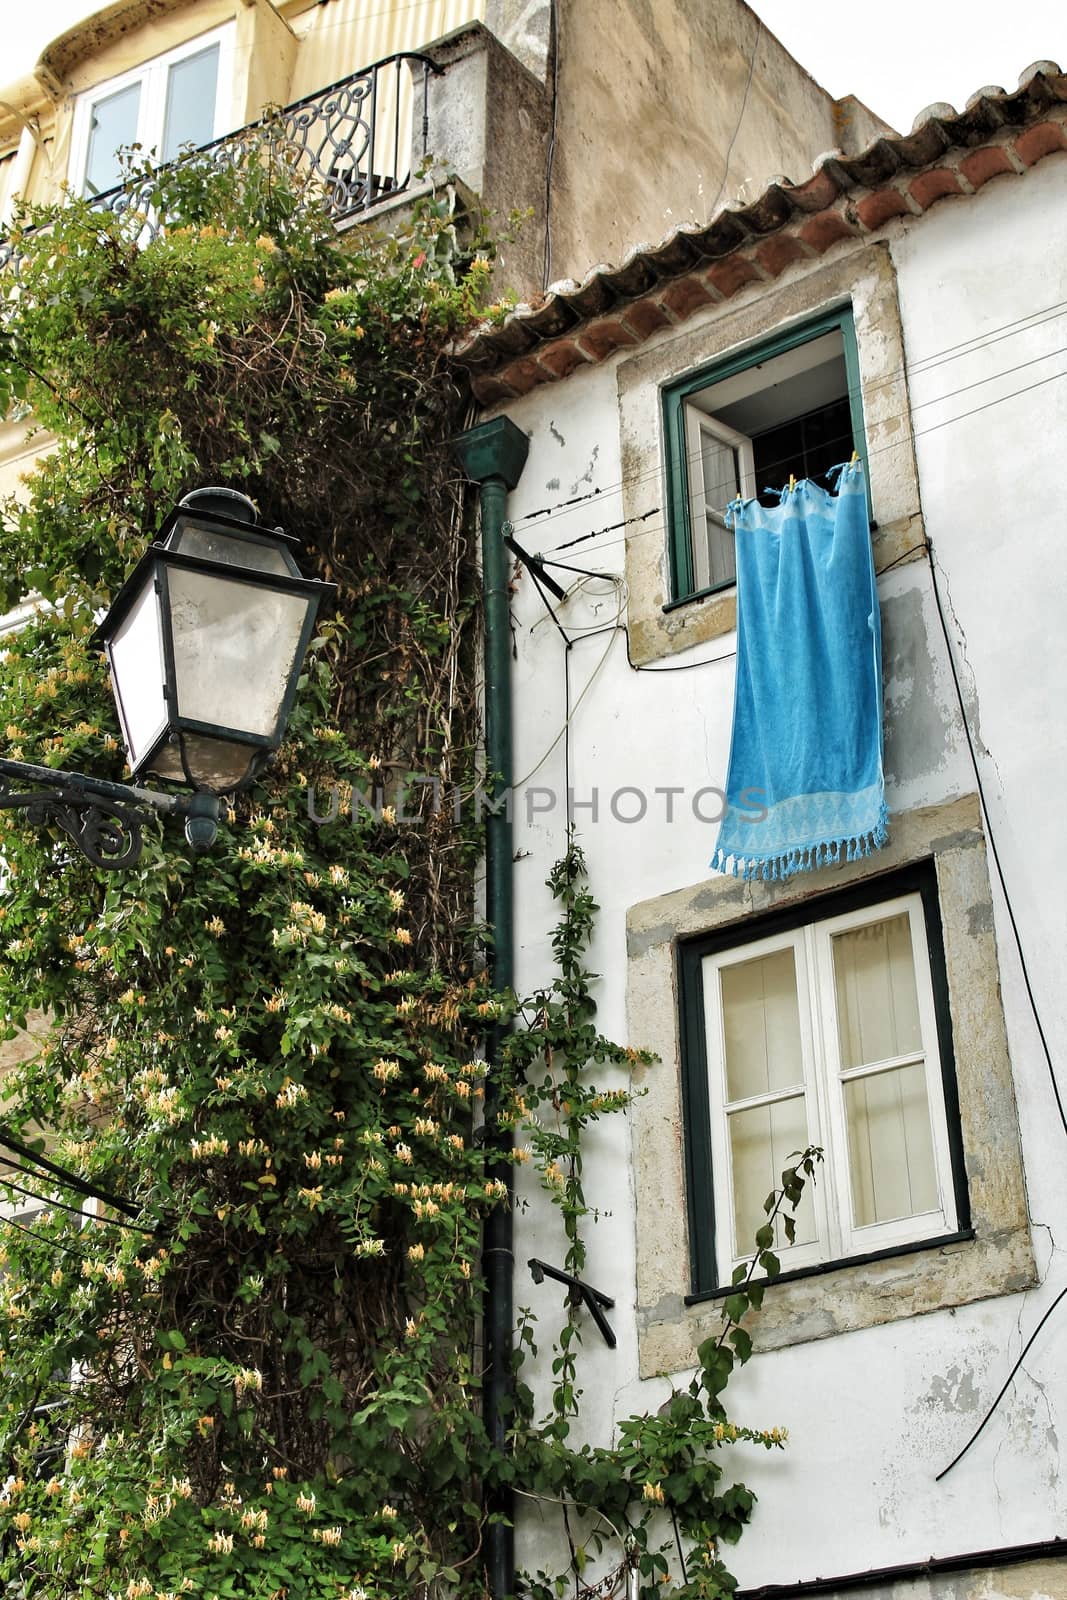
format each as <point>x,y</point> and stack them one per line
<point>742,1343</point>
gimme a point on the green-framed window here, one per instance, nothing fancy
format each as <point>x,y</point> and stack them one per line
<point>788,405</point>
<point>827,1024</point>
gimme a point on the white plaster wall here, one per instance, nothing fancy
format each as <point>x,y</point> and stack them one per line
<point>873,1416</point>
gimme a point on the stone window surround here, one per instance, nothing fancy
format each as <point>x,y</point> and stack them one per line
<point>998,1260</point>
<point>863,277</point>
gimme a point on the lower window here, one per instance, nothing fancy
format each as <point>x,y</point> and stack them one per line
<point>827,1026</point>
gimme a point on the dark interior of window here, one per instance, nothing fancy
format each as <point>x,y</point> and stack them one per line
<point>806,446</point>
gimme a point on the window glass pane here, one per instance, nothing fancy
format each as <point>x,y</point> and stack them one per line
<point>890,1145</point>
<point>761,1026</point>
<point>762,1139</point>
<point>112,125</point>
<point>716,482</point>
<point>211,545</point>
<point>190,114</point>
<point>877,1004</point>
<point>231,636</point>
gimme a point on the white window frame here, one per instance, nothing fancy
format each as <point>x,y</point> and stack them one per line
<point>705,499</point>
<point>838,1236</point>
<point>153,77</point>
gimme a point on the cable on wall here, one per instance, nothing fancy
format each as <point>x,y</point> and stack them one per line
<point>917,368</point>
<point>1032,999</point>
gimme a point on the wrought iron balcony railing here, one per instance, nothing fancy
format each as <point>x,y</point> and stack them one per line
<point>356,142</point>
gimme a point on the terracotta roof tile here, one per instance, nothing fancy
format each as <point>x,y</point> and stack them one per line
<point>946,153</point>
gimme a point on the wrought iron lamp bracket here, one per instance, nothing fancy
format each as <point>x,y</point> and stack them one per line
<point>103,819</point>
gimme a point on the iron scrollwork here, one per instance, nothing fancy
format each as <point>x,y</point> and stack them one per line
<point>106,832</point>
<point>105,820</point>
<point>353,141</point>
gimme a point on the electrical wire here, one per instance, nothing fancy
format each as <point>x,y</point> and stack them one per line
<point>993,850</point>
<point>50,1204</point>
<point>918,433</point>
<point>1007,1384</point>
<point>847,438</point>
<point>550,160</point>
<point>740,117</point>
<point>918,368</point>
<point>71,1179</point>
<point>571,712</point>
<point>49,1244</point>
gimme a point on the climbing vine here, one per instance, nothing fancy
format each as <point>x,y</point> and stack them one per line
<point>268,1384</point>
<point>653,1502</point>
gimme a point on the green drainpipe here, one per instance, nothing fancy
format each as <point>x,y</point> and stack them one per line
<point>493,456</point>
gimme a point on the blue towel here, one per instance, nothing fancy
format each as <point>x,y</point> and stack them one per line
<point>807,736</point>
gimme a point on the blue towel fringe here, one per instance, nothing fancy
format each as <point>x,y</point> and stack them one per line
<point>826,853</point>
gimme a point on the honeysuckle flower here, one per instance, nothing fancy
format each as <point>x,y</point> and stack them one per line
<point>290,1095</point>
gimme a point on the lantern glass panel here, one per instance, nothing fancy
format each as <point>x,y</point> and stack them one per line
<point>235,646</point>
<point>213,544</point>
<point>215,764</point>
<point>136,655</point>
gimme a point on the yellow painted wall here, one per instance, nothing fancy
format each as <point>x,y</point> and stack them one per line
<point>341,37</point>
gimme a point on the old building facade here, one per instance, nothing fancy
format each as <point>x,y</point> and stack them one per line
<point>899,306</point>
<point>901,302</point>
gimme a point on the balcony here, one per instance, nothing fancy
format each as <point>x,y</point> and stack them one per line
<point>463,107</point>
<point>358,142</point>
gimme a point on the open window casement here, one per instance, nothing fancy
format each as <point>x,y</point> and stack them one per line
<point>721,467</point>
<point>786,407</point>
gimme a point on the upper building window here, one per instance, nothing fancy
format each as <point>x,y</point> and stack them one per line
<point>822,1027</point>
<point>787,407</point>
<point>178,99</point>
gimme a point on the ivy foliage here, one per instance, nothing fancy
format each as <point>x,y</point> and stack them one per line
<point>267,1386</point>
<point>656,1501</point>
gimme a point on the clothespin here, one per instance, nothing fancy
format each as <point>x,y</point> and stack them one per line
<point>855,458</point>
<point>792,482</point>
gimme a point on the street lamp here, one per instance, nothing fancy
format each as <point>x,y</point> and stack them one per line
<point>205,641</point>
